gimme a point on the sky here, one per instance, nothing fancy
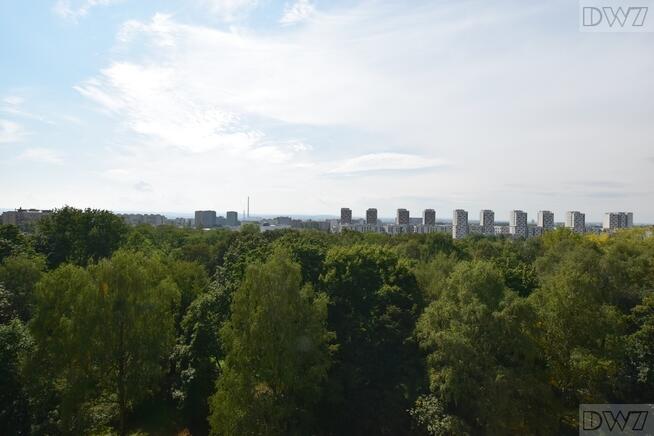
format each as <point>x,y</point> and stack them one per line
<point>308,106</point>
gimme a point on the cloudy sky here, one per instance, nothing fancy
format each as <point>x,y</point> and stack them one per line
<point>312,105</point>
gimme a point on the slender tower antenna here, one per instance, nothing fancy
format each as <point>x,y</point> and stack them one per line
<point>248,206</point>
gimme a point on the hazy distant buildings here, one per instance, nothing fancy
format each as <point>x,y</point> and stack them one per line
<point>518,224</point>
<point>617,220</point>
<point>459,224</point>
<point>371,216</point>
<point>282,221</point>
<point>545,220</point>
<point>402,217</point>
<point>487,222</point>
<point>205,219</point>
<point>429,217</point>
<point>135,219</point>
<point>231,218</point>
<point>576,221</point>
<point>24,219</point>
<point>346,215</point>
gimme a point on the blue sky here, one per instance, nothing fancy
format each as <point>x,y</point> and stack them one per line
<point>308,106</point>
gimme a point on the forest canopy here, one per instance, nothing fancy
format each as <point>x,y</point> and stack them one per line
<point>110,329</point>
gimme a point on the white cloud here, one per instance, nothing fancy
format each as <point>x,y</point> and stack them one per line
<point>385,162</point>
<point>75,9</point>
<point>41,155</point>
<point>497,89</point>
<point>230,10</point>
<point>143,186</point>
<point>13,100</point>
<point>299,11</point>
<point>13,105</point>
<point>11,132</point>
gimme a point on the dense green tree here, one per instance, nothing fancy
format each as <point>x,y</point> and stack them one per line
<point>374,304</point>
<point>60,372</point>
<point>277,354</point>
<point>197,356</point>
<point>7,312</point>
<point>579,330</point>
<point>19,275</point>
<point>136,305</point>
<point>15,344</point>
<point>485,335</point>
<point>79,236</point>
<point>208,248</point>
<point>485,370</point>
<point>191,280</point>
<point>13,242</point>
<point>243,250</point>
<point>308,249</point>
<point>106,335</point>
<point>637,375</point>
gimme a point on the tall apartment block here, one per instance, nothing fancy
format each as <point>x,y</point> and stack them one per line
<point>371,216</point>
<point>346,215</point>
<point>487,222</point>
<point>231,218</point>
<point>205,219</point>
<point>429,217</point>
<point>545,220</point>
<point>402,217</point>
<point>576,221</point>
<point>518,224</point>
<point>459,224</point>
<point>618,220</point>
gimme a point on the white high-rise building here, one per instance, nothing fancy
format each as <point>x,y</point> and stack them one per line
<point>545,220</point>
<point>576,221</point>
<point>459,224</point>
<point>487,222</point>
<point>618,220</point>
<point>518,224</point>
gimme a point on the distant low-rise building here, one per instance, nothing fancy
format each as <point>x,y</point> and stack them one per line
<point>135,219</point>
<point>282,220</point>
<point>180,222</point>
<point>397,229</point>
<point>535,231</point>
<point>24,219</point>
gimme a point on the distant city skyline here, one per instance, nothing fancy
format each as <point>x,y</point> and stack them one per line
<point>309,105</point>
<point>444,216</point>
